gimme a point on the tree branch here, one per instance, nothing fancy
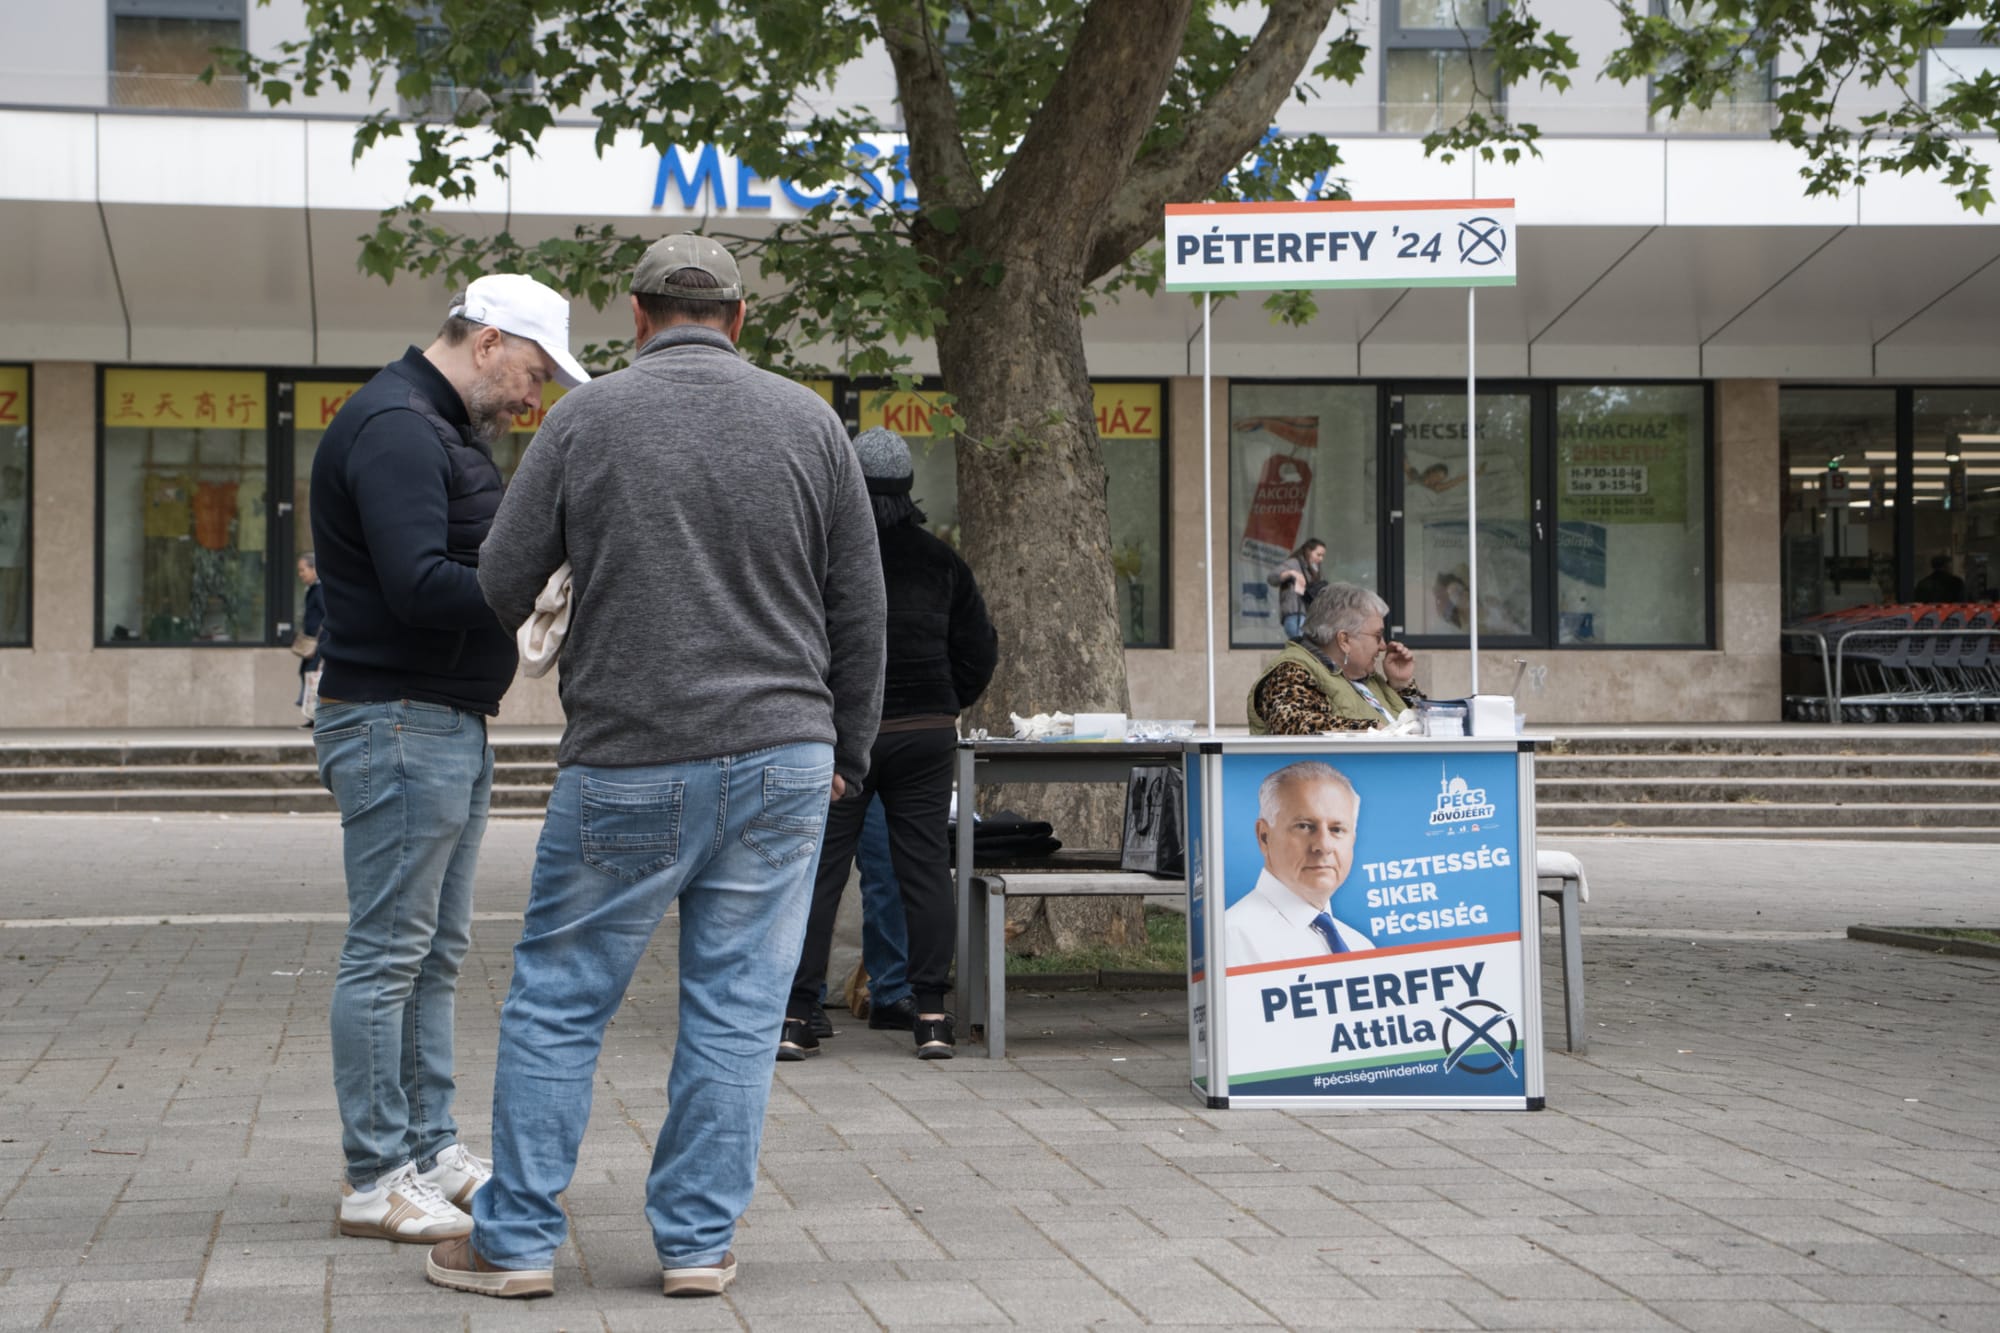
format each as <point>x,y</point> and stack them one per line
<point>939,166</point>
<point>1232,122</point>
<point>1090,125</point>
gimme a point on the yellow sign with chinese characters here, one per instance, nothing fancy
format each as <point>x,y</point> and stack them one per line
<point>13,396</point>
<point>315,402</point>
<point>1124,411</point>
<point>184,399</point>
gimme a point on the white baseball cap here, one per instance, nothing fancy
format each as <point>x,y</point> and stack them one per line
<point>515,303</point>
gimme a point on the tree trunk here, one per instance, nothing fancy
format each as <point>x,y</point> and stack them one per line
<point>1031,507</point>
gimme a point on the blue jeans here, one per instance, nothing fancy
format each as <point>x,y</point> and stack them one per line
<point>1295,624</point>
<point>413,781</point>
<point>885,944</point>
<point>735,841</point>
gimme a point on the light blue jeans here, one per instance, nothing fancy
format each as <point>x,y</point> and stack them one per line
<point>885,944</point>
<point>413,781</point>
<point>735,841</point>
<point>1295,624</point>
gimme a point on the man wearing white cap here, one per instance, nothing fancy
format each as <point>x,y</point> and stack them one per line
<point>404,488</point>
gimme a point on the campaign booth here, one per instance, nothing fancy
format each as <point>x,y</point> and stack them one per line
<point>1416,982</point>
<point>1362,906</point>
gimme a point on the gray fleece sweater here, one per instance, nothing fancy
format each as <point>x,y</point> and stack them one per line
<point>727,593</point>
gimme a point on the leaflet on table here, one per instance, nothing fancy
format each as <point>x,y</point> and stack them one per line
<point>1414,857</point>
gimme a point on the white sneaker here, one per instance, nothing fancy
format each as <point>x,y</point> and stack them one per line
<point>458,1175</point>
<point>402,1206</point>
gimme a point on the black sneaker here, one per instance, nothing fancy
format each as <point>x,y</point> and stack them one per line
<point>898,1017</point>
<point>934,1038</point>
<point>822,1026</point>
<point>798,1041</point>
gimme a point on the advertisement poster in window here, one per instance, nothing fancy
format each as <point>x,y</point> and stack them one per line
<point>1302,468</point>
<point>1437,556</point>
<point>1372,934</point>
<point>1629,484</point>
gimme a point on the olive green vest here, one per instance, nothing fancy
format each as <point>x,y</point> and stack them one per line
<point>1343,694</point>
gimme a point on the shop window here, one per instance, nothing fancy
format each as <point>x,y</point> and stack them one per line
<point>1592,511</point>
<point>1841,487</point>
<point>1631,492</point>
<point>184,518</point>
<point>1955,495</point>
<point>16,511</point>
<point>1435,65</point>
<point>1302,468</point>
<point>1436,552</point>
<point>160,47</point>
<point>1131,428</point>
<point>1744,108</point>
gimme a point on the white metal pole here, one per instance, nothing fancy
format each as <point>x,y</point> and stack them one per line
<point>1208,508</point>
<point>1472,472</point>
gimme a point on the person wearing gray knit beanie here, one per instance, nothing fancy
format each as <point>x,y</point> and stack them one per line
<point>942,653</point>
<point>884,456</point>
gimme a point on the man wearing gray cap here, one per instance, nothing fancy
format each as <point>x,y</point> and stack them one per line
<point>414,662</point>
<point>709,722</point>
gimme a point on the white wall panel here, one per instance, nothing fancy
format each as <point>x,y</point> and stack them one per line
<point>381,178</point>
<point>1582,183</point>
<point>215,161</point>
<point>1892,200</point>
<point>1743,183</point>
<point>48,155</point>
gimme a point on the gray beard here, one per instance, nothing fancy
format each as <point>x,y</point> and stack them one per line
<point>491,419</point>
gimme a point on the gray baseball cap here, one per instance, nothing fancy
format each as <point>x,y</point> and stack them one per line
<point>670,254</point>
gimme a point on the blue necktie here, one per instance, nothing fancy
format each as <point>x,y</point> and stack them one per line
<point>1323,923</point>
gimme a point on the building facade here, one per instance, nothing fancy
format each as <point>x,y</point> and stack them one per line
<point>1711,406</point>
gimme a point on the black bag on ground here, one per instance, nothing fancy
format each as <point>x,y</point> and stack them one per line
<point>1156,822</point>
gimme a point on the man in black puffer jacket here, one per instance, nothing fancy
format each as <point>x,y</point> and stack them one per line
<point>404,488</point>
<point>942,651</point>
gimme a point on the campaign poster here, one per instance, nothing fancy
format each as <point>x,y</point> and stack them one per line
<point>1372,933</point>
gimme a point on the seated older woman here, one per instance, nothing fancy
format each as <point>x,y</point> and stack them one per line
<point>1325,680</point>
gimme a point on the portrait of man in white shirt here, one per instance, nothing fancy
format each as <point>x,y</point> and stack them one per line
<point>1307,815</point>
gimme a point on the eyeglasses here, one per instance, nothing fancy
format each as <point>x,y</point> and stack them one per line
<point>1374,634</point>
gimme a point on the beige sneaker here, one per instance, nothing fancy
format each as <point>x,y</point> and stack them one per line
<point>700,1280</point>
<point>458,1175</point>
<point>401,1207</point>
<point>457,1265</point>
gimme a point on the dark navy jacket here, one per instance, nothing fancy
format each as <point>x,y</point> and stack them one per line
<point>402,495</point>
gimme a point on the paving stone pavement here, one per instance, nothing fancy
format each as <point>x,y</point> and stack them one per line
<point>1774,1127</point>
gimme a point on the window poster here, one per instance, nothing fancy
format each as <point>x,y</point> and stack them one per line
<point>1301,468</point>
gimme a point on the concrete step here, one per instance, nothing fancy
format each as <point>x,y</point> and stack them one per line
<point>1842,833</point>
<point>1667,814</point>
<point>1831,792</point>
<point>1942,739</point>
<point>218,777</point>
<point>507,800</point>
<point>1691,767</point>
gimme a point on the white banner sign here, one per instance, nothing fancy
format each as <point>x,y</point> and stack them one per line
<point>1287,245</point>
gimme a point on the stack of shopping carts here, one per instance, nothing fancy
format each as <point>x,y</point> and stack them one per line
<point>1916,662</point>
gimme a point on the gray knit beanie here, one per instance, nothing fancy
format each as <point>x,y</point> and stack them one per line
<point>884,455</point>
